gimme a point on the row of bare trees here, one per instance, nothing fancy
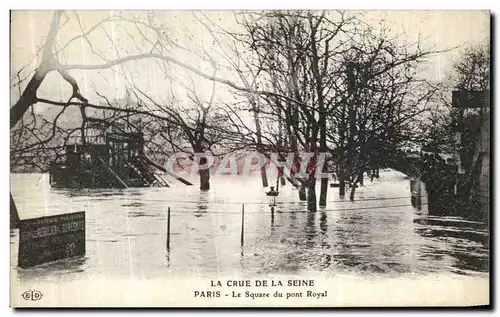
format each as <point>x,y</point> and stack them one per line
<point>340,87</point>
<point>297,81</point>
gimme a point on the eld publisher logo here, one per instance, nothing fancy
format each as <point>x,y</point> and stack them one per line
<point>32,295</point>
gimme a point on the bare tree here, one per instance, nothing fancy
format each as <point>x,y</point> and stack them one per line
<point>319,82</point>
<point>150,41</point>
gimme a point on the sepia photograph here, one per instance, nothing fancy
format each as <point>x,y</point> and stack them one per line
<point>264,158</point>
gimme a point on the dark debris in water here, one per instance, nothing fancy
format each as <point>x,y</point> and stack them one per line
<point>135,204</point>
<point>136,214</point>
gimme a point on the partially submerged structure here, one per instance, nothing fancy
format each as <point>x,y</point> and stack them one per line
<point>105,155</point>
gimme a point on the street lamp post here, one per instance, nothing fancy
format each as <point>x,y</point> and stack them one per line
<point>271,198</point>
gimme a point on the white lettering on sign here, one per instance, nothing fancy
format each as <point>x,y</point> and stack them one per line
<point>53,230</point>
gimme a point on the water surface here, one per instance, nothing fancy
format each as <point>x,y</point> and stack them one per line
<point>379,234</point>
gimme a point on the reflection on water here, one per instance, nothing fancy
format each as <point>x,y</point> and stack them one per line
<point>467,240</point>
<point>380,234</point>
<point>56,269</point>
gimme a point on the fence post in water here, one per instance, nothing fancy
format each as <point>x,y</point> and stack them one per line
<point>168,230</point>
<point>242,223</point>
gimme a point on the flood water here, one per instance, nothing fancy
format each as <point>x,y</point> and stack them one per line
<point>379,234</point>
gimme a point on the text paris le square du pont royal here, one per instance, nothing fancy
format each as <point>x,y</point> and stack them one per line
<point>259,283</point>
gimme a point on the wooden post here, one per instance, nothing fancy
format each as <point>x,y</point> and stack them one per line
<point>242,224</point>
<point>14,215</point>
<point>168,230</point>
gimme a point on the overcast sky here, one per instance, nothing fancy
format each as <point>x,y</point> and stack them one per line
<point>437,30</point>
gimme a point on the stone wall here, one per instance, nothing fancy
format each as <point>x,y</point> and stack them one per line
<point>483,189</point>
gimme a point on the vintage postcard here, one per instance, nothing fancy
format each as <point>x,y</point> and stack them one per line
<point>250,158</point>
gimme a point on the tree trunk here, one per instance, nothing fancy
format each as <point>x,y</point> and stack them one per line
<point>281,178</point>
<point>311,196</point>
<point>84,122</point>
<point>341,146</point>
<point>322,149</point>
<point>322,113</point>
<point>353,188</point>
<point>263,175</point>
<point>311,181</point>
<point>351,150</point>
<point>27,99</point>
<point>294,149</point>
<point>341,184</point>
<point>351,114</point>
<point>263,171</point>
<point>302,192</point>
<point>204,179</point>
<point>204,173</point>
<point>353,191</point>
<point>323,192</point>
